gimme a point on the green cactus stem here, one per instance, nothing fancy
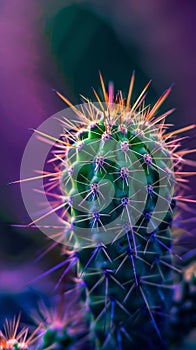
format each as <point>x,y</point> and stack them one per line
<point>119,187</point>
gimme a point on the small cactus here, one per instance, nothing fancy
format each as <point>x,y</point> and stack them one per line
<point>64,325</point>
<point>14,338</point>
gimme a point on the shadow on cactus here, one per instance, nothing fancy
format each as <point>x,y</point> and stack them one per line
<point>118,175</point>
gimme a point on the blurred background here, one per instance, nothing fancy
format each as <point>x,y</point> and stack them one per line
<point>62,45</point>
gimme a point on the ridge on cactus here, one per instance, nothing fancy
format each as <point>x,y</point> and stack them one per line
<point>120,175</point>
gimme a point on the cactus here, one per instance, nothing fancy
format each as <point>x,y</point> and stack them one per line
<point>14,339</point>
<point>118,154</point>
<point>118,173</point>
<point>64,325</point>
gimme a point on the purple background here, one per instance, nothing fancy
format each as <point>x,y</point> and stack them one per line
<point>163,35</point>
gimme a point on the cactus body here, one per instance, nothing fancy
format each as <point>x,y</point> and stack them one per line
<point>117,169</point>
<point>118,172</point>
